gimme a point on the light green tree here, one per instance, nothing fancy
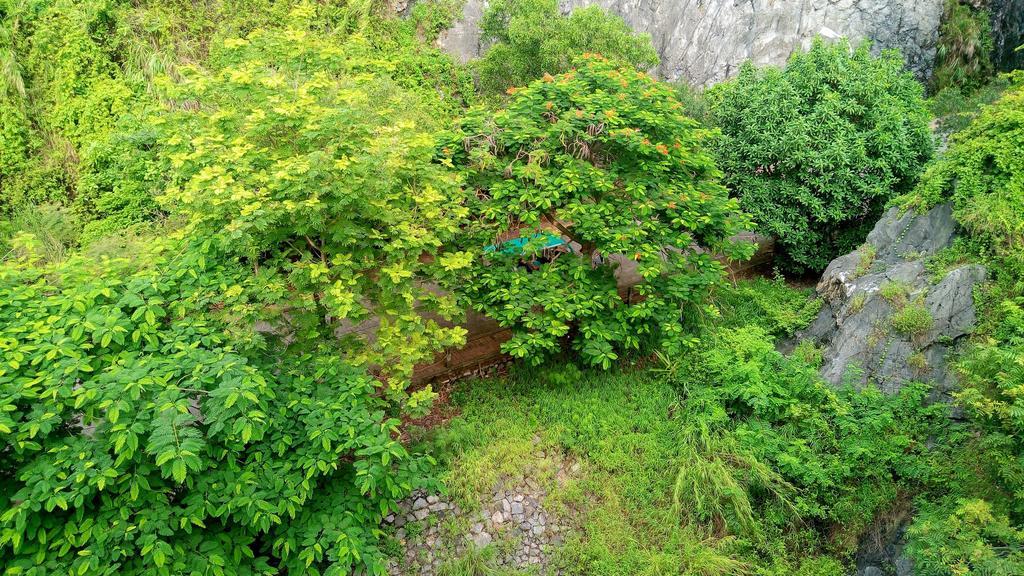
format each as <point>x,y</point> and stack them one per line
<point>532,37</point>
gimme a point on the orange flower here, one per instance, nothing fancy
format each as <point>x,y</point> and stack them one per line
<point>548,77</point>
<point>579,113</point>
<point>662,148</point>
<point>511,90</point>
<point>646,142</point>
<point>609,113</point>
<point>549,105</point>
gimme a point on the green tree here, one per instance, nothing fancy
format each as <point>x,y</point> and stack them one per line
<point>815,150</point>
<point>602,156</point>
<point>321,179</point>
<point>533,37</point>
<point>148,428</point>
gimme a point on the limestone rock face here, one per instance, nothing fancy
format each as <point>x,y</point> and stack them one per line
<point>1007,33</point>
<point>866,292</point>
<point>705,41</point>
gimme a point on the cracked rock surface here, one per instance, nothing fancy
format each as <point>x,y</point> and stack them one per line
<point>857,329</point>
<point>705,41</point>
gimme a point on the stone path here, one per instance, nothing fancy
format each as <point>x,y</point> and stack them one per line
<point>431,530</point>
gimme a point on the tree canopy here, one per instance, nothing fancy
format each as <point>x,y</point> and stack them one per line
<point>532,37</point>
<point>602,155</point>
<point>815,150</point>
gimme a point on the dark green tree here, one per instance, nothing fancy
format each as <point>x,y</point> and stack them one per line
<point>533,37</point>
<point>815,150</point>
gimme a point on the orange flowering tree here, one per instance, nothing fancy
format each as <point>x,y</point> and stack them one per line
<point>603,158</point>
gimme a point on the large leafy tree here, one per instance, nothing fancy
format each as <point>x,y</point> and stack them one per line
<point>319,176</point>
<point>209,406</point>
<point>533,37</point>
<point>603,157</point>
<point>815,150</point>
<point>148,428</point>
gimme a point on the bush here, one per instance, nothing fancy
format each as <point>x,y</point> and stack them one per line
<point>954,109</point>
<point>981,174</point>
<point>814,151</point>
<point>533,37</point>
<point>148,429</point>
<point>601,157</point>
<point>963,57</point>
<point>768,304</point>
<point>967,537</point>
<point>912,320</point>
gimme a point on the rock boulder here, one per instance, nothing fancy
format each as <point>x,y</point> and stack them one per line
<point>886,317</point>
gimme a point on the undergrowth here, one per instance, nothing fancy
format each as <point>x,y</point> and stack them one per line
<point>735,459</point>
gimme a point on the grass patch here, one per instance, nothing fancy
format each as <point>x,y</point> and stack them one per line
<point>619,426</point>
<point>867,254</point>
<point>913,320</point>
<point>732,459</point>
<point>857,303</point>
<point>895,293</point>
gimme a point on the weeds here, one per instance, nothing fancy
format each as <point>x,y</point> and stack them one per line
<point>914,320</point>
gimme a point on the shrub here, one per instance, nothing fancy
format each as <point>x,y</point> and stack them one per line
<point>866,259</point>
<point>895,293</point>
<point>769,304</point>
<point>814,151</point>
<point>963,56</point>
<point>148,429</point>
<point>912,320</point>
<point>981,174</point>
<point>954,109</point>
<point>847,454</point>
<point>966,537</point>
<point>602,157</point>
<point>533,37</point>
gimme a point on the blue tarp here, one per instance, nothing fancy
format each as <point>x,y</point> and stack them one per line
<point>543,240</point>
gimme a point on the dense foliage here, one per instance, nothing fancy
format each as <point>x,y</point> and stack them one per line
<point>150,430</point>
<point>815,150</point>
<point>963,57</point>
<point>533,37</point>
<point>603,156</point>
<point>230,229</point>
<point>320,177</point>
<point>192,409</point>
<point>734,459</point>
<point>979,526</point>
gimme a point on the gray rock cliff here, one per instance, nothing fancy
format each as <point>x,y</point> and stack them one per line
<point>886,318</point>
<point>705,41</point>
<point>1007,33</point>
